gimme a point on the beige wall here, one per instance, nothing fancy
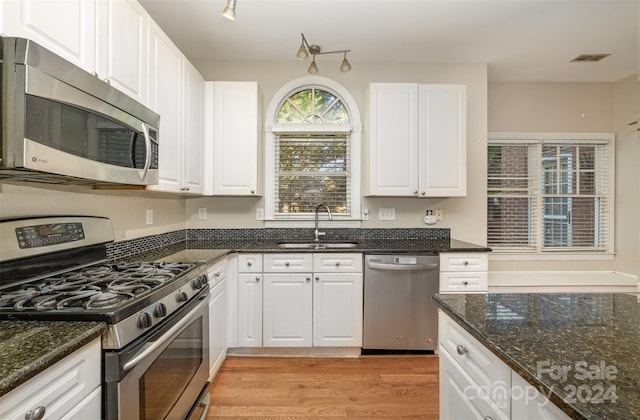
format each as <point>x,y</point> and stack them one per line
<point>127,210</point>
<point>465,216</point>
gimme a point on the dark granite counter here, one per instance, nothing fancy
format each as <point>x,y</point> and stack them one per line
<point>581,350</point>
<point>29,347</point>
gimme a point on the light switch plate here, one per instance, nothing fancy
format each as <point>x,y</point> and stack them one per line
<point>202,213</point>
<point>260,214</point>
<point>387,214</point>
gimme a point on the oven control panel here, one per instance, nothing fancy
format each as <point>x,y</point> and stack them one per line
<point>48,234</point>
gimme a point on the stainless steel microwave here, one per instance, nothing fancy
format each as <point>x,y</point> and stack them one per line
<point>63,125</point>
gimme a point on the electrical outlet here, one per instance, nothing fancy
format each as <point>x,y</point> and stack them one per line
<point>202,213</point>
<point>149,216</point>
<point>365,214</point>
<point>430,218</point>
<point>387,214</point>
<point>259,214</point>
<point>439,214</point>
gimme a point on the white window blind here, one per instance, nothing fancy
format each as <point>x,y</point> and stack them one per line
<point>549,195</point>
<point>312,169</point>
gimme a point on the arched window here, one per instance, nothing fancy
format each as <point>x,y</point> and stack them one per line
<point>312,156</point>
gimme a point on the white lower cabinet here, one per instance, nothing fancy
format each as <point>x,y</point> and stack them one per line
<point>70,389</point>
<point>476,384</point>
<point>464,272</point>
<point>249,315</point>
<point>303,300</point>
<point>217,316</point>
<point>287,310</point>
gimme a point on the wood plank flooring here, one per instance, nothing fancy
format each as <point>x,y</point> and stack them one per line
<point>369,387</point>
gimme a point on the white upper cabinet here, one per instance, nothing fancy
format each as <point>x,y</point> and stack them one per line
<point>234,147</point>
<point>417,136</point>
<point>121,46</point>
<point>176,94</point>
<point>66,27</point>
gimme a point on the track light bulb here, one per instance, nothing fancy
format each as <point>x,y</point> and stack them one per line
<point>302,53</point>
<point>345,66</point>
<point>313,67</point>
<point>230,11</point>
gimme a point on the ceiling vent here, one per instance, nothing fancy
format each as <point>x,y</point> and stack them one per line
<point>589,58</point>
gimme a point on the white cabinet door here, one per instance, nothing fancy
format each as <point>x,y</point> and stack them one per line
<point>337,309</point>
<point>66,27</point>
<point>443,140</point>
<point>67,387</point>
<point>121,46</point>
<point>527,403</point>
<point>217,327</point>
<point>460,398</point>
<point>165,87</point>
<point>250,310</point>
<point>393,138</point>
<point>417,140</point>
<point>235,165</point>
<point>193,117</point>
<point>287,316</point>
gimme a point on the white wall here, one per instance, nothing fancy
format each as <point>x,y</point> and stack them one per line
<point>465,216</point>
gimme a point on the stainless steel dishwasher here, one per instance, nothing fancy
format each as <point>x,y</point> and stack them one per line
<point>399,315</point>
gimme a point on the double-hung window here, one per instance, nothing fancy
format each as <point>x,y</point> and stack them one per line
<point>550,192</point>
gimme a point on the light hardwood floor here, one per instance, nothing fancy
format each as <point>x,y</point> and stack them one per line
<point>369,387</point>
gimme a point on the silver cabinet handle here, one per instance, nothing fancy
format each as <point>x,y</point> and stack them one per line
<point>488,418</point>
<point>308,278</point>
<point>287,263</point>
<point>253,191</point>
<point>461,349</point>
<point>257,278</point>
<point>423,193</point>
<point>36,414</point>
<point>317,278</point>
<point>465,262</point>
<point>217,274</point>
<point>249,263</point>
<point>337,263</point>
<point>465,282</point>
<point>415,192</point>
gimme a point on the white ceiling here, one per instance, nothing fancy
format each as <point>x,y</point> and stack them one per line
<point>520,40</point>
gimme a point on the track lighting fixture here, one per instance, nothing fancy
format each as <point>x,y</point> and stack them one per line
<point>305,50</point>
<point>230,11</point>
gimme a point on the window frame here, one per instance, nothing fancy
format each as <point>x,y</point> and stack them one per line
<point>354,129</point>
<point>539,252</point>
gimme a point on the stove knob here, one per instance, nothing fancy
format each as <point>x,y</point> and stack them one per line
<point>144,321</point>
<point>196,284</point>
<point>181,297</point>
<point>160,310</point>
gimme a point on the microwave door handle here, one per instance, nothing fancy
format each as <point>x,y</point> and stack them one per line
<point>147,145</point>
<point>172,333</point>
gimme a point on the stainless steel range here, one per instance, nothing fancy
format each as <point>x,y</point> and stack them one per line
<point>155,350</point>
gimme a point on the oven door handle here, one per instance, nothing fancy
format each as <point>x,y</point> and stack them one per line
<point>172,333</point>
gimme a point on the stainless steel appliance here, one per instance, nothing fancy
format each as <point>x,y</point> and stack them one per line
<point>156,348</point>
<point>399,314</point>
<point>61,124</point>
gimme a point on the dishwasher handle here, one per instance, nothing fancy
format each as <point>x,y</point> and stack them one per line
<point>401,267</point>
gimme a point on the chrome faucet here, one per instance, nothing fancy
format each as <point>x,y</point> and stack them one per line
<point>318,233</point>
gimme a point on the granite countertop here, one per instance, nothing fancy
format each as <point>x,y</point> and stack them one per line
<point>29,347</point>
<point>594,338</point>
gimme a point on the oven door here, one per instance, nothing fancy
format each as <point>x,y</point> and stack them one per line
<point>163,375</point>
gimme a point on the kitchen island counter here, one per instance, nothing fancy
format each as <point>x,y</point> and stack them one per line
<point>29,347</point>
<point>580,350</point>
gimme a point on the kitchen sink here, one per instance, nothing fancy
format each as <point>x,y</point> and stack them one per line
<point>317,245</point>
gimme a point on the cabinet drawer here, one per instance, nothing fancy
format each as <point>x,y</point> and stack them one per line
<point>463,282</point>
<point>482,366</point>
<point>217,272</point>
<point>60,388</point>
<point>287,263</point>
<point>337,263</point>
<point>473,261</point>
<point>250,263</point>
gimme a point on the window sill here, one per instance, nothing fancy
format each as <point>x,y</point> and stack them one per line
<point>311,224</point>
<point>550,256</point>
